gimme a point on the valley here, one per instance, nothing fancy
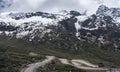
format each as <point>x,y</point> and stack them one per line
<point>68,41</point>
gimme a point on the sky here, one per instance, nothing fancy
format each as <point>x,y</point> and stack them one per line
<point>90,6</point>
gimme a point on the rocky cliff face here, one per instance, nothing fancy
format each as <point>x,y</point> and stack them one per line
<point>67,29</point>
<point>104,10</point>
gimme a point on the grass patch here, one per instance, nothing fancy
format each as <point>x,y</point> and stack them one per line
<point>13,62</point>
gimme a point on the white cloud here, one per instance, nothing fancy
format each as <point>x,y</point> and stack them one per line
<point>111,3</point>
<point>84,3</point>
<point>89,5</point>
<point>24,5</point>
<point>35,3</point>
<point>57,5</point>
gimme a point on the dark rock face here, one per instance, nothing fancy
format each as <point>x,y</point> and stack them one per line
<point>69,24</point>
<point>3,27</point>
<point>75,13</point>
<point>102,9</point>
<point>100,26</point>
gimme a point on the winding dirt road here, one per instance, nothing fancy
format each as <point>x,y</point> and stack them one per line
<point>78,63</point>
<point>34,66</point>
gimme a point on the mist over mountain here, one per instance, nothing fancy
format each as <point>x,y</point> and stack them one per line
<point>55,6</point>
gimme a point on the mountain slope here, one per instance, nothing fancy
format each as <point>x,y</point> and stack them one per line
<point>66,29</point>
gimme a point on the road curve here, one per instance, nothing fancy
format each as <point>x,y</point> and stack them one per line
<point>81,64</point>
<point>34,66</point>
<point>78,63</point>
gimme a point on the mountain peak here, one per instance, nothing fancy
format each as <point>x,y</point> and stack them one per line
<point>112,12</point>
<point>102,9</point>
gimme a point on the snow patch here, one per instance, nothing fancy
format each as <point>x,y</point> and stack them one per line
<point>82,18</point>
<point>21,34</point>
<point>96,28</point>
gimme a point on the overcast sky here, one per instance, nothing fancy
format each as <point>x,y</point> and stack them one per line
<point>56,5</point>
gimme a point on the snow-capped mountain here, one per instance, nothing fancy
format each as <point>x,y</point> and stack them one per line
<point>104,10</point>
<point>28,23</point>
<point>64,28</point>
<point>112,12</point>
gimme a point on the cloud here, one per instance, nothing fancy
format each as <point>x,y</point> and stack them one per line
<point>23,5</point>
<point>111,3</point>
<point>35,3</point>
<point>89,5</point>
<point>57,5</point>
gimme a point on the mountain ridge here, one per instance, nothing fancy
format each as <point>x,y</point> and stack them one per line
<point>69,26</point>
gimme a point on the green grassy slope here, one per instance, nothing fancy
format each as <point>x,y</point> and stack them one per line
<point>92,54</point>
